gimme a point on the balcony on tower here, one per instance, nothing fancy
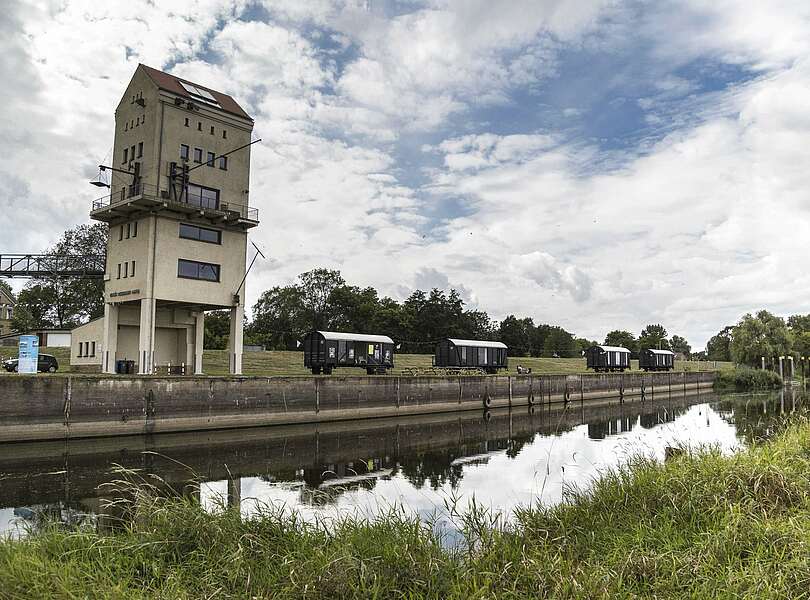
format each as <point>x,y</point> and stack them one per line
<point>191,201</point>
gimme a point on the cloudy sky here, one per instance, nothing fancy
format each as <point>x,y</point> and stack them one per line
<point>594,164</point>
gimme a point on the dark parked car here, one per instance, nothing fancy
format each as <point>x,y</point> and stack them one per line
<point>46,364</point>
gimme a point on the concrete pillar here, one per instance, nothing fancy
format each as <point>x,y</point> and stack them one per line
<point>110,341</point>
<point>146,338</point>
<point>199,342</point>
<point>189,359</point>
<point>235,340</point>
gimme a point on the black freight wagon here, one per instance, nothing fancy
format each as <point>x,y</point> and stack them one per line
<point>327,350</point>
<point>471,354</point>
<point>656,360</point>
<point>608,358</point>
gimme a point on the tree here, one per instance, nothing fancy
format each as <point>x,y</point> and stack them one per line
<point>583,344</point>
<point>537,339</point>
<point>801,343</point>
<point>477,325</point>
<point>279,318</point>
<point>757,336</point>
<point>5,287</point>
<point>34,308</point>
<point>353,309</point>
<point>653,336</point>
<point>64,302</point>
<point>315,289</point>
<point>679,344</point>
<point>217,329</point>
<point>623,339</point>
<point>559,343</point>
<point>517,334</point>
<point>799,323</point>
<point>719,346</point>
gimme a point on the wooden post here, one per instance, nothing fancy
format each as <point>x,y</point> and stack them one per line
<point>509,378</point>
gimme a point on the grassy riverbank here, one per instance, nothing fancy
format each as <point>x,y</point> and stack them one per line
<point>281,363</point>
<point>699,526</point>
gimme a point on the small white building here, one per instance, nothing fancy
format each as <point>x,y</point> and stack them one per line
<point>48,338</point>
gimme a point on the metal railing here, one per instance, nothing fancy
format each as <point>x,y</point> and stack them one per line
<point>52,265</point>
<point>189,199</point>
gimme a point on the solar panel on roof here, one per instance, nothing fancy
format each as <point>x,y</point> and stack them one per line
<point>199,93</point>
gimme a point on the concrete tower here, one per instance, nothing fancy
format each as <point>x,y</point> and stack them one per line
<point>178,215</point>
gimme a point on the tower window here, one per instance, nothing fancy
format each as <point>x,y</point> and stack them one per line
<point>198,155</point>
<point>202,196</point>
<point>183,151</point>
<point>212,130</point>
<point>126,270</point>
<point>186,121</point>
<point>200,234</point>
<point>135,229</point>
<point>199,125</point>
<point>121,233</point>
<point>140,149</point>
<point>224,134</point>
<point>211,157</point>
<point>126,155</point>
<point>119,270</point>
<point>132,152</point>
<point>223,163</point>
<point>129,230</point>
<point>132,270</point>
<point>192,269</point>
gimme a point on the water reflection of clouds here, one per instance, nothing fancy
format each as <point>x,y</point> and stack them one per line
<point>9,523</point>
<point>541,471</point>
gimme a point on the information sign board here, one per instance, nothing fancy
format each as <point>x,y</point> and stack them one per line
<point>29,354</point>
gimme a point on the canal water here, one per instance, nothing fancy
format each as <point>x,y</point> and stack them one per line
<point>422,465</point>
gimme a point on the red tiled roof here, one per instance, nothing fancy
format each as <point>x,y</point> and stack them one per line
<point>171,83</point>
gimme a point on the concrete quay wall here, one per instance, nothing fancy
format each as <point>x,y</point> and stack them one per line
<point>75,406</point>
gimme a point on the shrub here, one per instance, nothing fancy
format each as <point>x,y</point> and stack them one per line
<point>746,378</point>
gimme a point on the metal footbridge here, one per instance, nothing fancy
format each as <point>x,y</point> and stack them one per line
<point>89,266</point>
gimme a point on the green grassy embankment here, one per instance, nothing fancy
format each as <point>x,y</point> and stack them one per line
<point>215,362</point>
<point>702,525</point>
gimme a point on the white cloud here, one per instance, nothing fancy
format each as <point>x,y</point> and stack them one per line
<point>691,230</point>
<point>708,225</point>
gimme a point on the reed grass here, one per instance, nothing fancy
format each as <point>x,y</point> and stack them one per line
<point>702,525</point>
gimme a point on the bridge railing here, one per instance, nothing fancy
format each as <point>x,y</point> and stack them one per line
<point>52,265</point>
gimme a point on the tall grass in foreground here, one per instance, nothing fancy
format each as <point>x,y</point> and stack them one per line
<point>702,525</point>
